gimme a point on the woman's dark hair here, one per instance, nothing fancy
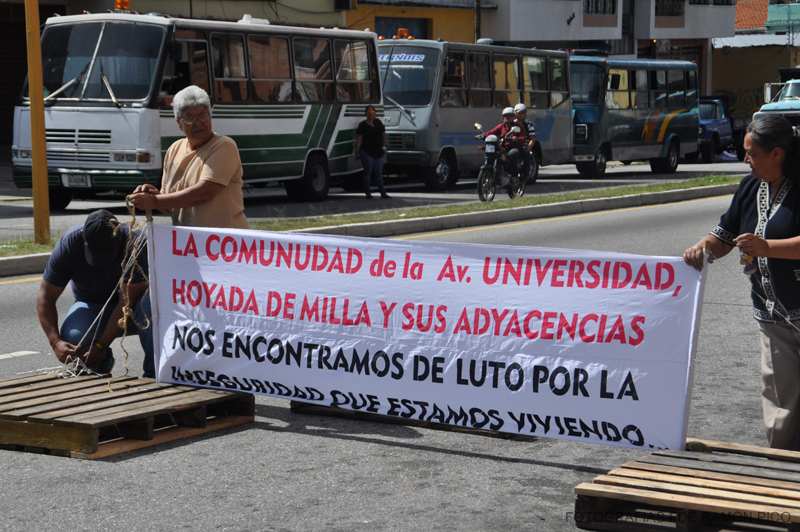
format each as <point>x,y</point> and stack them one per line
<point>772,132</point>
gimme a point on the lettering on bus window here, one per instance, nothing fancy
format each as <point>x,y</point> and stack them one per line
<point>312,70</point>
<point>454,84</point>
<point>658,89</point>
<point>506,80</point>
<point>677,89</point>
<point>480,79</point>
<point>353,73</point>
<point>534,82</point>
<point>638,83</point>
<point>230,76</point>
<point>617,95</point>
<point>691,88</point>
<point>270,68</point>
<point>559,81</point>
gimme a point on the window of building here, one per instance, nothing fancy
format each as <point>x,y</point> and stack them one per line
<point>670,8</point>
<point>559,81</point>
<point>506,80</point>
<point>387,27</point>
<point>230,76</point>
<point>270,68</point>
<point>354,81</point>
<point>700,2</point>
<point>724,2</point>
<point>600,7</point>
<point>312,70</point>
<point>454,84</point>
<point>534,82</point>
<point>480,80</point>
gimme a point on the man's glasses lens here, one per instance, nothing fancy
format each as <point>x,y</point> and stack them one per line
<point>191,120</point>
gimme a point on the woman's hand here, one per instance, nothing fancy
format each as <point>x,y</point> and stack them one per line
<point>694,256</point>
<point>752,245</point>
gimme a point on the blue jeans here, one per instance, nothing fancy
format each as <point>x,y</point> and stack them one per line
<point>81,315</point>
<point>372,168</point>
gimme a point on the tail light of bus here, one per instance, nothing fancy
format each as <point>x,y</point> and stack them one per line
<point>581,132</point>
<point>409,141</point>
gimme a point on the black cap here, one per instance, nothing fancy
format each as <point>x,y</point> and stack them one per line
<point>99,243</point>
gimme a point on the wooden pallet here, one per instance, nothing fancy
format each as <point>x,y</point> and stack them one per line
<point>725,487</point>
<point>80,418</point>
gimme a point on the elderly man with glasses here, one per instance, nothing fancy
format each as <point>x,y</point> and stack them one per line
<point>202,180</point>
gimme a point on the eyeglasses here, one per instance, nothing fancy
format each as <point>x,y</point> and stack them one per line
<point>192,120</point>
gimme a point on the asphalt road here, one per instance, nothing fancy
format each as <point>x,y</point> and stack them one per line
<point>16,213</point>
<point>294,472</point>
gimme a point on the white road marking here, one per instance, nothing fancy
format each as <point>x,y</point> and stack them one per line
<point>18,354</point>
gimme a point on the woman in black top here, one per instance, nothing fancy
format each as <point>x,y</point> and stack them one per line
<point>371,139</point>
<point>763,221</point>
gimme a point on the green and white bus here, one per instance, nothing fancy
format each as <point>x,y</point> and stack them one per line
<point>633,110</point>
<point>290,97</point>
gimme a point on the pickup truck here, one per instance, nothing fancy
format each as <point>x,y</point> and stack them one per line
<point>716,129</point>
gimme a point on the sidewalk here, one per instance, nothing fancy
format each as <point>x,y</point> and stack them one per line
<point>34,264</point>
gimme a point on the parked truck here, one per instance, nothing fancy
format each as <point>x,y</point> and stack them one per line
<point>783,98</point>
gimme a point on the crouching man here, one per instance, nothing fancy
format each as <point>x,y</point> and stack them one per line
<point>90,256</point>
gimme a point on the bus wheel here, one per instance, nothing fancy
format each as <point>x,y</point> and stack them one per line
<point>316,178</point>
<point>443,175</point>
<point>668,164</point>
<point>59,199</point>
<point>594,168</point>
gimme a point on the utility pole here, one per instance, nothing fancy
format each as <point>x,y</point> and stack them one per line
<point>41,198</point>
<point>477,20</point>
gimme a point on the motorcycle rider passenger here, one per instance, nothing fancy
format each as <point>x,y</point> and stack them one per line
<point>515,141</point>
<point>520,111</point>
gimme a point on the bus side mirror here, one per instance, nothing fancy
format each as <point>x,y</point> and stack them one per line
<point>175,51</point>
<point>615,79</point>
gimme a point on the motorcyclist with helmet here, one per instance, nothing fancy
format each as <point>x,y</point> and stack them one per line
<point>514,142</point>
<point>520,111</point>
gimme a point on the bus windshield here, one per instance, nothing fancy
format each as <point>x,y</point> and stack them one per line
<point>105,61</point>
<point>409,77</point>
<point>587,83</point>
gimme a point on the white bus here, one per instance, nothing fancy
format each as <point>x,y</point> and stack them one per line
<point>290,97</point>
<point>435,91</point>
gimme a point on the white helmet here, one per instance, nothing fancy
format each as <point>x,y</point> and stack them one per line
<point>520,107</point>
<point>508,111</point>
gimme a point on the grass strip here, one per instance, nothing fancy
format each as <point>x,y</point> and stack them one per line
<point>28,247</point>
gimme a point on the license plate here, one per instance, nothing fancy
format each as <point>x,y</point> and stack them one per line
<point>489,148</point>
<point>76,180</point>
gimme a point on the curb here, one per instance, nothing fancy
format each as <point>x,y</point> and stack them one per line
<point>35,264</point>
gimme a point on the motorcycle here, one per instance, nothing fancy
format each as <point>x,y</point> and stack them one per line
<point>498,171</point>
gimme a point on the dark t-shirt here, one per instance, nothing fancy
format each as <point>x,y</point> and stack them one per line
<point>776,280</point>
<point>372,138</point>
<point>68,264</point>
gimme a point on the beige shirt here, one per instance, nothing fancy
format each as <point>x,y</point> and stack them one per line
<point>217,161</point>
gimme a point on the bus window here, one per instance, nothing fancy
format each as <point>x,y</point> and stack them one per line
<point>638,84</point>
<point>506,81</point>
<point>230,78</point>
<point>691,87</point>
<point>186,65</point>
<point>454,84</point>
<point>677,88</point>
<point>658,89</point>
<point>353,74</point>
<point>312,70</point>
<point>410,74</point>
<point>587,82</point>
<point>480,79</point>
<point>559,84</point>
<point>534,82</point>
<point>269,68</point>
<point>617,95</point>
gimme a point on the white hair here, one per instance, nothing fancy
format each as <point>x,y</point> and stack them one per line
<point>191,96</point>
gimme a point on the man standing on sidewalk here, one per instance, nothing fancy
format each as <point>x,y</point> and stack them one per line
<point>90,257</point>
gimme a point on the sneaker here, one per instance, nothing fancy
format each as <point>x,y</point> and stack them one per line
<point>369,196</point>
<point>105,366</point>
<point>385,196</point>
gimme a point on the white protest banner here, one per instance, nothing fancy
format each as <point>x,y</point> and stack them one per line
<point>579,345</point>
